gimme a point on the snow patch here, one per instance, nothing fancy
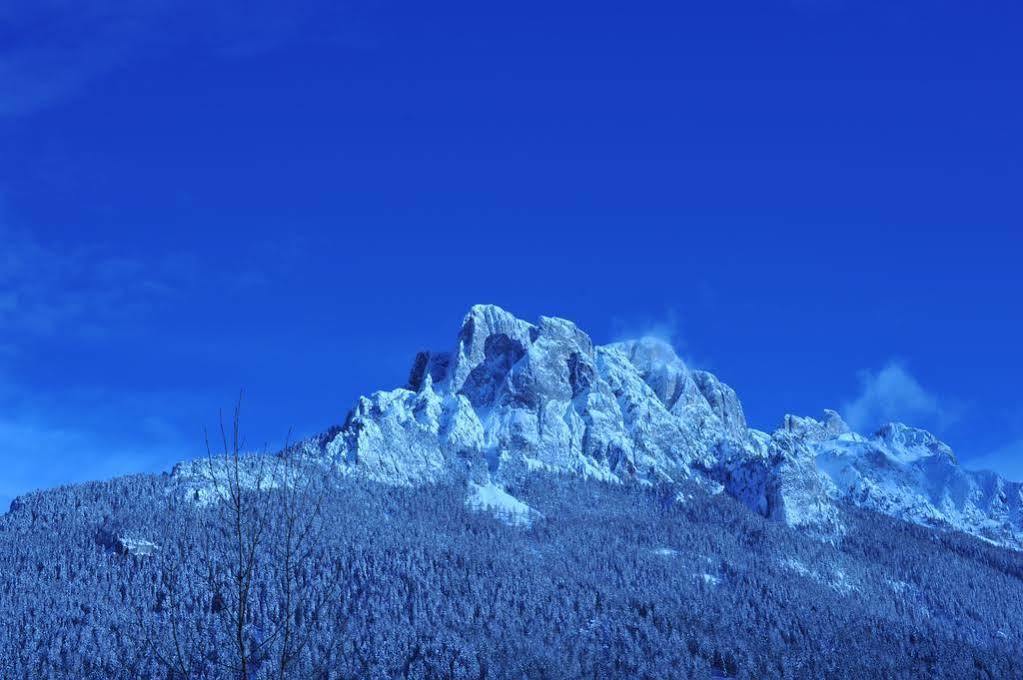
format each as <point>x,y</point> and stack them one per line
<point>798,567</point>
<point>492,498</point>
<point>837,579</point>
<point>139,547</point>
<point>900,587</point>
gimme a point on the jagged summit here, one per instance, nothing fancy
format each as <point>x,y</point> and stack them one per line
<point>513,397</point>
<point>913,444</point>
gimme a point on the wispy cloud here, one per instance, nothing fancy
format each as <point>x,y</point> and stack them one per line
<point>55,297</point>
<point>52,49</point>
<point>893,394</point>
<point>92,289</point>
<point>666,327</point>
<point>47,289</point>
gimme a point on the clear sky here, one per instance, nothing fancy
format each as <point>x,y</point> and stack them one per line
<point>820,201</point>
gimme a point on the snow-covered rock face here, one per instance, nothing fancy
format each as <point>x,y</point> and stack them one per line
<point>513,397</point>
<point>910,444</point>
<point>908,473</point>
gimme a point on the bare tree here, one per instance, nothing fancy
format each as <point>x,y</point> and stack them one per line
<point>261,527</point>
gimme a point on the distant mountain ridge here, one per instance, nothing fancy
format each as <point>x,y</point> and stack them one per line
<point>513,397</point>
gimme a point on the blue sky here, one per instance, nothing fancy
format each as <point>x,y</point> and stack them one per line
<point>817,200</point>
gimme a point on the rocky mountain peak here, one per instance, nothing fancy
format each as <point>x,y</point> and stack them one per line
<point>913,443</point>
<point>515,398</point>
<point>488,339</point>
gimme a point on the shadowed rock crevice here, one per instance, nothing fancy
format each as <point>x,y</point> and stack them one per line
<point>500,353</point>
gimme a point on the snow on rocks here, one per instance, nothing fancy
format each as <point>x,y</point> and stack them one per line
<point>138,547</point>
<point>907,473</point>
<point>513,398</point>
<point>491,498</point>
<point>205,481</point>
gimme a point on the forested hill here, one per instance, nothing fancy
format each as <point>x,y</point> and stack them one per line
<point>607,580</point>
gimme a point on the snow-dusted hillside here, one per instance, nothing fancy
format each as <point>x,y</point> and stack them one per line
<point>513,397</point>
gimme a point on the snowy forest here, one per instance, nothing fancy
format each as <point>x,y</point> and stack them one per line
<point>127,579</point>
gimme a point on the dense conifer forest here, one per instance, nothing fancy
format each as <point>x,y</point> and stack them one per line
<point>113,580</point>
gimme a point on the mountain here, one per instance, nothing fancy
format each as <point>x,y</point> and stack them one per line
<point>514,397</point>
<point>529,505</point>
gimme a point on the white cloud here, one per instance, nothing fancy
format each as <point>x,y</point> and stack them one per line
<point>893,394</point>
